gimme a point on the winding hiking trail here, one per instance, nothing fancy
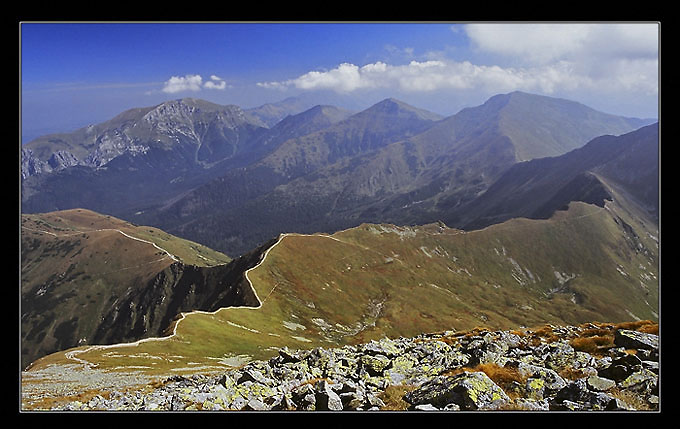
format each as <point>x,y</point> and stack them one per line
<point>74,353</point>
<point>80,369</point>
<point>63,385</point>
<point>170,255</point>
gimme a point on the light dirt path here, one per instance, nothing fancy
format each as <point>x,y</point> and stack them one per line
<point>105,229</point>
<point>73,355</point>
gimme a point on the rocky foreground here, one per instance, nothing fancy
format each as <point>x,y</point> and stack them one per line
<point>573,368</point>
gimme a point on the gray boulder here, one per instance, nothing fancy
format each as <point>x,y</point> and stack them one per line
<point>552,382</point>
<point>425,407</point>
<point>636,340</point>
<point>600,384</point>
<point>621,368</point>
<point>577,392</point>
<point>468,390</point>
<point>326,399</point>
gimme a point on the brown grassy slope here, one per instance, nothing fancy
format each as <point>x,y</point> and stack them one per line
<point>380,280</point>
<point>76,264</point>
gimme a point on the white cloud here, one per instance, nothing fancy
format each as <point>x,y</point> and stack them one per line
<point>600,57</point>
<point>538,43</point>
<point>544,58</point>
<point>215,85</point>
<point>190,82</point>
<point>273,85</point>
<point>215,82</point>
<point>544,43</point>
<point>431,76</point>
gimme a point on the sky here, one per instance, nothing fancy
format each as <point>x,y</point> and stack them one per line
<point>79,73</point>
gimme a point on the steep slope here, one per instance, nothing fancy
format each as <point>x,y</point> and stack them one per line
<point>88,278</point>
<point>325,183</point>
<point>539,187</point>
<point>587,263</point>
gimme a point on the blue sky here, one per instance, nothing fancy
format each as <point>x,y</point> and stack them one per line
<point>74,74</point>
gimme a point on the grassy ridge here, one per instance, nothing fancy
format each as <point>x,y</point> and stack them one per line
<point>76,265</point>
<point>380,280</point>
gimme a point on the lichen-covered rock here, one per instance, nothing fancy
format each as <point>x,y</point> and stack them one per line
<point>643,380</point>
<point>355,377</point>
<point>535,388</point>
<point>552,382</point>
<point>600,384</point>
<point>560,355</point>
<point>255,405</point>
<point>375,364</point>
<point>530,404</point>
<point>385,347</point>
<point>468,390</point>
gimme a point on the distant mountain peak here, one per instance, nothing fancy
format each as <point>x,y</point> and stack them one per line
<point>198,103</point>
<point>392,106</point>
<point>392,102</point>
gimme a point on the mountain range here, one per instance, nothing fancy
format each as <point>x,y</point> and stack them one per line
<point>191,167</point>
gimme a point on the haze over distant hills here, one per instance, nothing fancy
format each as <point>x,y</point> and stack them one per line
<point>193,167</point>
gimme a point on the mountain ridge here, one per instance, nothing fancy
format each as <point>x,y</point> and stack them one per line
<point>586,263</point>
<point>391,162</point>
<point>413,180</point>
<point>87,278</point>
<point>525,189</point>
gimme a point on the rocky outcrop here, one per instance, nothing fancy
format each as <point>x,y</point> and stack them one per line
<point>477,370</point>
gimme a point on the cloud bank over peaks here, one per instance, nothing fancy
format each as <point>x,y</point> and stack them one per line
<point>546,58</point>
<point>192,82</point>
<point>435,75</point>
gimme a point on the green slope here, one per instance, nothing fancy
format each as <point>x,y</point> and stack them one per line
<point>585,264</point>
